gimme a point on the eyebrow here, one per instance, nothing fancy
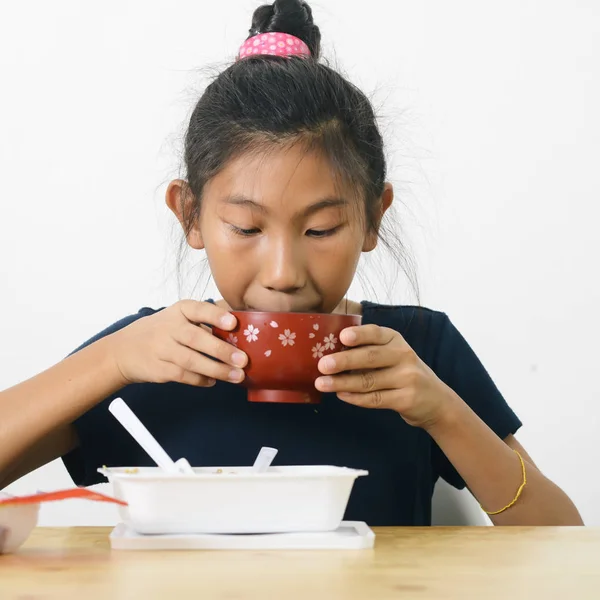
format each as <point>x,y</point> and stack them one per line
<point>238,200</point>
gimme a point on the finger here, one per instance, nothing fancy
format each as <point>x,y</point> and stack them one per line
<point>202,340</point>
<point>208,313</point>
<point>180,375</point>
<point>375,399</point>
<point>364,357</point>
<point>193,361</point>
<point>361,382</point>
<point>367,334</point>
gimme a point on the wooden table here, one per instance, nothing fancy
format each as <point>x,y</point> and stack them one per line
<point>474,562</point>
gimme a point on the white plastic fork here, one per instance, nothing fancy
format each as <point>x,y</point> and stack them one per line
<point>146,440</point>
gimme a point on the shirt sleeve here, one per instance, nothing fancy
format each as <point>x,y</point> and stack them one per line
<point>95,428</point>
<point>458,366</point>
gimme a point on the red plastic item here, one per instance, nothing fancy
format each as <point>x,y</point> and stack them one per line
<point>81,493</point>
<point>284,350</point>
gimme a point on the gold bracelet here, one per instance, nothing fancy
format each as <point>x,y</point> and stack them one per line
<point>497,512</point>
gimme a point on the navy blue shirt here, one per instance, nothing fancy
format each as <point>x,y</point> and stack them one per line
<point>219,427</point>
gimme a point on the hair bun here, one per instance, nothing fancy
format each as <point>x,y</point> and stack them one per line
<point>288,16</point>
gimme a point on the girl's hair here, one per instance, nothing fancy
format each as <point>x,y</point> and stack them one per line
<point>262,102</point>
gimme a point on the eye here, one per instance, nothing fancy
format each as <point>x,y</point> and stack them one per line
<point>244,232</point>
<point>322,233</point>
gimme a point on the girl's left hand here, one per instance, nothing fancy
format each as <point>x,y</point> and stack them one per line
<point>380,370</point>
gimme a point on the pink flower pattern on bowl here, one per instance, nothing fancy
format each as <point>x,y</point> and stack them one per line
<point>251,333</point>
<point>330,342</point>
<point>287,338</point>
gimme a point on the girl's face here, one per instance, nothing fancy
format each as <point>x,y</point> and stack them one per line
<point>281,233</point>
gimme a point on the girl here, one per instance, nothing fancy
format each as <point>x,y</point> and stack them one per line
<point>285,188</point>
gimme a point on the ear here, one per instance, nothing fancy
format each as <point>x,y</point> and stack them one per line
<point>387,197</point>
<point>180,200</point>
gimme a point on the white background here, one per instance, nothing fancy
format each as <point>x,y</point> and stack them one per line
<point>494,143</point>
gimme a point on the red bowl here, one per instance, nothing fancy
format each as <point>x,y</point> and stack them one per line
<point>284,350</point>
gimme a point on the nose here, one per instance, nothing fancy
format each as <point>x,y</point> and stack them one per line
<point>282,266</point>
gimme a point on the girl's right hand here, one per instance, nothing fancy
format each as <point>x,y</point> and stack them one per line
<point>167,346</point>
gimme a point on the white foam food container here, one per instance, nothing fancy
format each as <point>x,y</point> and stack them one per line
<point>232,500</point>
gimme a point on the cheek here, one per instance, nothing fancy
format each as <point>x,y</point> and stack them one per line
<point>333,262</point>
<point>230,262</point>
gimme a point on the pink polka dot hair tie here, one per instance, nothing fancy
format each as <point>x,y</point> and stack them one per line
<point>273,44</point>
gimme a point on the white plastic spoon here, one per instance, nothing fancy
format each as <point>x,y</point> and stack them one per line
<point>264,459</point>
<point>146,440</point>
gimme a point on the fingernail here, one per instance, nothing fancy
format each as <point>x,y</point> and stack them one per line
<point>236,375</point>
<point>350,336</point>
<point>325,382</point>
<point>228,321</point>
<point>329,363</point>
<point>211,382</point>
<point>238,359</point>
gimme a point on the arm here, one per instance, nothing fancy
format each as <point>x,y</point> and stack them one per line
<point>36,415</point>
<point>380,370</point>
<point>492,470</point>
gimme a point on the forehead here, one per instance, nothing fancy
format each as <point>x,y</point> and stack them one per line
<point>289,176</point>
